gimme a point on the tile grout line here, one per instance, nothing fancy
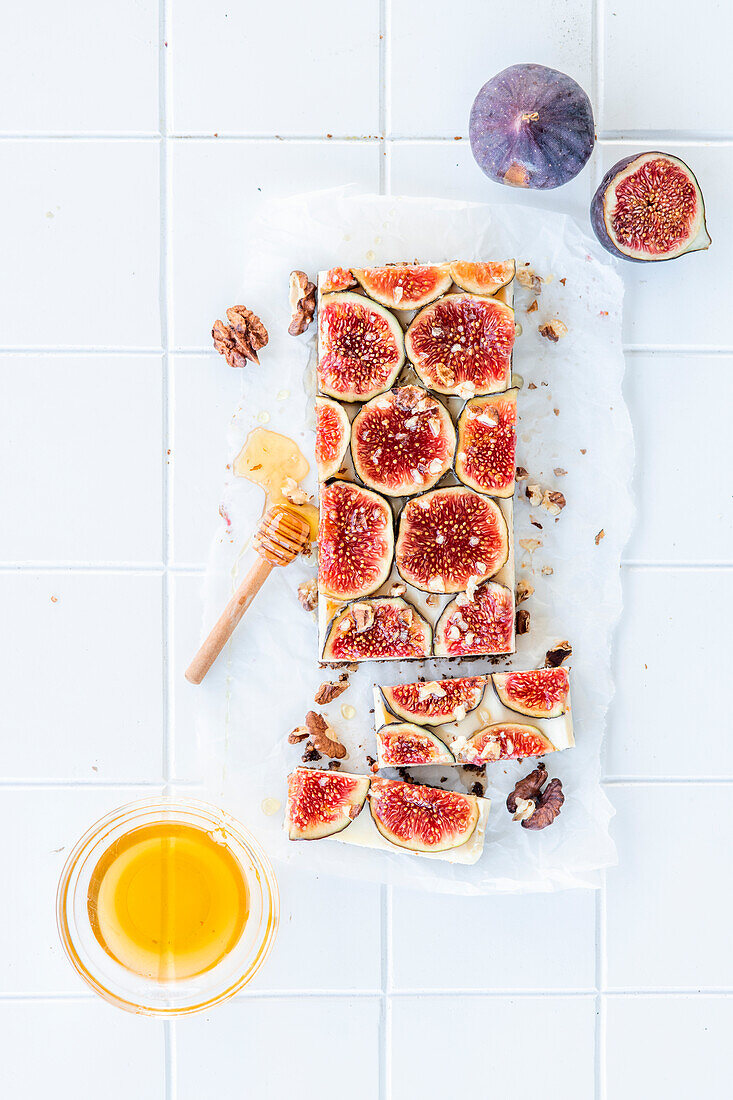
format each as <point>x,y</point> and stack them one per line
<point>692,138</point>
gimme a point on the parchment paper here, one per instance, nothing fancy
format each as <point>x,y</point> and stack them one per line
<point>575,419</point>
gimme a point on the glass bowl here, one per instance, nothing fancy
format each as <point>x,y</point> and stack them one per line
<point>149,996</point>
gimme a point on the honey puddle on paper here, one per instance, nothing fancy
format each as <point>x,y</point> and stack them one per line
<point>167,901</point>
<point>275,462</point>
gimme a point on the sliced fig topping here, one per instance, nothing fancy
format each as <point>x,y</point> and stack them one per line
<point>332,437</point>
<point>321,803</point>
<point>355,541</point>
<point>402,441</point>
<point>435,702</point>
<point>404,286</point>
<point>484,278</point>
<point>541,693</point>
<point>504,741</point>
<point>380,629</point>
<point>462,345</point>
<point>487,442</point>
<point>448,536</point>
<point>484,625</point>
<point>422,819</point>
<point>338,278</point>
<point>361,347</point>
<point>650,207</point>
<point>403,744</point>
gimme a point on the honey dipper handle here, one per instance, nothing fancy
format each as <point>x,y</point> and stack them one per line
<point>227,621</point>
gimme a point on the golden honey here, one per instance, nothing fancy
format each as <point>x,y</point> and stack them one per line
<point>167,901</point>
<point>274,461</point>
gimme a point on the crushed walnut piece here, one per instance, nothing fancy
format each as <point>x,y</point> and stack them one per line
<point>293,493</point>
<point>302,302</point>
<point>553,330</point>
<point>547,570</point>
<point>320,733</point>
<point>528,278</point>
<point>363,617</point>
<point>524,591</point>
<point>311,753</point>
<point>308,594</point>
<point>328,691</point>
<point>522,623</point>
<point>521,473</point>
<point>530,544</point>
<point>529,803</point>
<point>559,652</point>
<point>533,494</point>
<point>601,535</point>
<point>559,472</point>
<point>242,338</point>
<point>297,735</point>
<point>397,590</point>
<point>532,306</point>
<point>431,600</point>
<point>553,501</point>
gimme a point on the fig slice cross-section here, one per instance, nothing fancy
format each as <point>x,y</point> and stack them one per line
<point>402,442</point>
<point>382,629</point>
<point>321,803</point>
<point>448,537</point>
<point>361,347</point>
<point>482,278</point>
<point>355,541</point>
<point>462,344</point>
<point>504,741</point>
<point>539,693</point>
<point>481,626</point>
<point>434,702</point>
<point>422,819</point>
<point>487,443</point>
<point>404,286</point>
<point>403,744</point>
<point>333,432</point>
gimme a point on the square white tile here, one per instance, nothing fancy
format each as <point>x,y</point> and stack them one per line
<point>283,68</point>
<point>81,439</point>
<point>322,1047</point>
<point>440,57</point>
<point>636,41</point>
<point>673,1047</point>
<point>532,941</point>
<point>72,1049</point>
<point>187,633</point>
<point>447,169</point>
<point>206,394</point>
<point>492,1054</point>
<point>668,901</point>
<point>83,676</point>
<point>686,301</point>
<point>58,75</point>
<point>45,825</point>
<point>684,511</point>
<point>210,215</point>
<point>672,640</point>
<point>80,220</point>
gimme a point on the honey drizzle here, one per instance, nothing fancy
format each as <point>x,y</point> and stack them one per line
<point>269,459</point>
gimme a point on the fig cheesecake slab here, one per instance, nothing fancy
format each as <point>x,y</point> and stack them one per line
<point>474,719</point>
<point>416,423</point>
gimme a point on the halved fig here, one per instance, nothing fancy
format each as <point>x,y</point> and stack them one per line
<point>448,536</point>
<point>337,278</point>
<point>404,286</point>
<point>462,344</point>
<point>322,803</point>
<point>487,443</point>
<point>486,278</point>
<point>541,693</point>
<point>361,347</point>
<point>382,629</point>
<point>484,625</point>
<point>355,541</point>
<point>435,702</point>
<point>649,207</point>
<point>402,744</point>
<point>333,432</point>
<point>504,741</point>
<point>402,441</point>
<point>422,819</point>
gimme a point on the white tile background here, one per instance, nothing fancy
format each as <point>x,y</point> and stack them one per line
<point>136,140</point>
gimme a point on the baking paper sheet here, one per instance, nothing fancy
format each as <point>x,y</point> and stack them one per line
<point>575,419</point>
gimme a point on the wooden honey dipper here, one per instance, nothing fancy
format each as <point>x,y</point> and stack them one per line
<point>280,537</point>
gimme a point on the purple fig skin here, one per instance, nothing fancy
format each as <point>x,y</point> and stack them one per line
<point>532,126</point>
<point>598,222</point>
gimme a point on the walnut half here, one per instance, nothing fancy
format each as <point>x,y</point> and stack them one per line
<point>529,803</point>
<point>302,302</point>
<point>242,338</point>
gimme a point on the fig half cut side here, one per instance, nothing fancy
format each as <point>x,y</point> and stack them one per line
<point>539,693</point>
<point>462,344</point>
<point>403,745</point>
<point>361,347</point>
<point>422,819</point>
<point>322,803</point>
<point>355,541</point>
<point>487,444</point>
<point>448,537</point>
<point>649,207</point>
<point>333,432</point>
<point>482,278</point>
<point>404,286</point>
<point>402,442</point>
<point>504,741</point>
<point>385,628</point>
<point>483,626</point>
<point>434,702</point>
